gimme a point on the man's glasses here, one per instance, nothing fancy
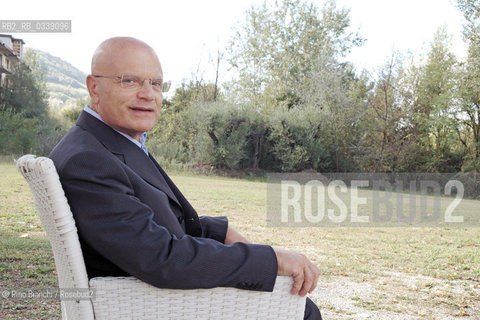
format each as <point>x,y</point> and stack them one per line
<point>133,82</point>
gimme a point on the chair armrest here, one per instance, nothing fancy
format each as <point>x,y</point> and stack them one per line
<point>130,298</point>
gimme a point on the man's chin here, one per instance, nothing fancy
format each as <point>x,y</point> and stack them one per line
<point>143,123</point>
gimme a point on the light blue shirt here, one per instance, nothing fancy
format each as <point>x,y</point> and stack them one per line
<point>143,137</point>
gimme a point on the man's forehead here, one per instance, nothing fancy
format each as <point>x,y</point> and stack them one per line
<point>127,55</point>
<point>139,67</point>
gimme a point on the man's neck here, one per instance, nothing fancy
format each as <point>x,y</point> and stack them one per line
<point>140,142</point>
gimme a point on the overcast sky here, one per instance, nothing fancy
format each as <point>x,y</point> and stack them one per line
<point>186,33</point>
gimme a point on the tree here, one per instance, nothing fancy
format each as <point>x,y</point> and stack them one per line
<point>383,132</point>
<point>71,114</point>
<point>26,125</point>
<point>340,96</point>
<point>173,139</point>
<point>16,132</point>
<point>274,50</point>
<point>27,95</point>
<point>470,107</point>
<point>469,95</point>
<point>435,106</point>
<point>249,56</point>
<point>471,12</point>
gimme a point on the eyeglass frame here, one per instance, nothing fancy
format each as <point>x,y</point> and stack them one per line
<point>165,85</point>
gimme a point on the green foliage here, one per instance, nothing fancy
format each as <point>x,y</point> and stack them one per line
<point>227,129</point>
<point>297,105</point>
<point>175,139</point>
<point>335,99</point>
<point>288,136</point>
<point>414,121</point>
<point>236,136</point>
<point>47,134</point>
<point>191,92</point>
<point>469,84</point>
<point>25,123</point>
<point>436,101</point>
<point>471,12</point>
<point>26,95</point>
<point>274,49</point>
<point>72,114</point>
<point>16,132</point>
<point>206,132</point>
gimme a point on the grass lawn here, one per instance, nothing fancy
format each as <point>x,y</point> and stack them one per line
<point>367,273</point>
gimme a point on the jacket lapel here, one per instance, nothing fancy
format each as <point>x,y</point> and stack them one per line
<point>192,222</point>
<point>132,155</point>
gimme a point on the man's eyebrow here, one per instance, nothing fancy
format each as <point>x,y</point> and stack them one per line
<point>140,76</point>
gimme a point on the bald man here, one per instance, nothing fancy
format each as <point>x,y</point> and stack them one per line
<point>131,218</point>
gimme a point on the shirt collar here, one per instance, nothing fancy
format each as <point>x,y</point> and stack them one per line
<point>143,137</point>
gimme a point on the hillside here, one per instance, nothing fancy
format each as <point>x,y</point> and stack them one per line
<point>65,83</point>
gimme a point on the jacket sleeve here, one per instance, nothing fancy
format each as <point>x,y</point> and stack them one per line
<point>113,221</point>
<point>214,227</point>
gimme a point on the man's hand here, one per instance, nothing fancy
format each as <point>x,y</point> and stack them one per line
<point>305,274</point>
<point>234,236</point>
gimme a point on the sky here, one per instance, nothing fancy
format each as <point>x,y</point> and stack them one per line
<point>186,34</point>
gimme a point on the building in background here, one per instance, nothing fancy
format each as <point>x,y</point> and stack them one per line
<point>11,51</point>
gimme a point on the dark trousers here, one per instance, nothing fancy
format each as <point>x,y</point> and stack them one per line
<point>311,311</point>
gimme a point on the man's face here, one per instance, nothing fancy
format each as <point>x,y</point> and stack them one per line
<point>129,110</point>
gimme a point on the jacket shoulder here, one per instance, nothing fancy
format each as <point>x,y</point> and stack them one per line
<point>76,141</point>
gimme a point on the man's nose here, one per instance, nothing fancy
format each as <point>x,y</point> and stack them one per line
<point>146,90</point>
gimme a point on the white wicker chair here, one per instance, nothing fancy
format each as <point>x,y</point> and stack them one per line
<point>128,297</point>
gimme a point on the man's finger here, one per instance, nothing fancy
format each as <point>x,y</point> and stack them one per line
<point>309,278</point>
<point>313,274</point>
<point>315,280</point>
<point>297,283</point>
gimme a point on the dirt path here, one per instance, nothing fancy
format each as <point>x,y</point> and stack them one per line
<point>398,296</point>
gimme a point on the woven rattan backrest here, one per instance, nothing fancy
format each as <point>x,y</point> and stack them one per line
<point>57,219</point>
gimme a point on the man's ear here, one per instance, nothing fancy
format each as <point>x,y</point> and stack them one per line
<point>92,86</point>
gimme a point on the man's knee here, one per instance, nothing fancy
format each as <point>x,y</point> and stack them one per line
<point>311,311</point>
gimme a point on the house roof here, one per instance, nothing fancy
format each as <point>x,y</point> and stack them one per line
<point>13,39</point>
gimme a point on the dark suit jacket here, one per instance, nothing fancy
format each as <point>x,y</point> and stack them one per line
<point>132,219</point>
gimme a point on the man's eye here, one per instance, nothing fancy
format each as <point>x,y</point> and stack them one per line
<point>157,83</point>
<point>130,80</point>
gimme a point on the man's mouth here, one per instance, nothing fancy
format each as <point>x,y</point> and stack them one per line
<point>141,109</point>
